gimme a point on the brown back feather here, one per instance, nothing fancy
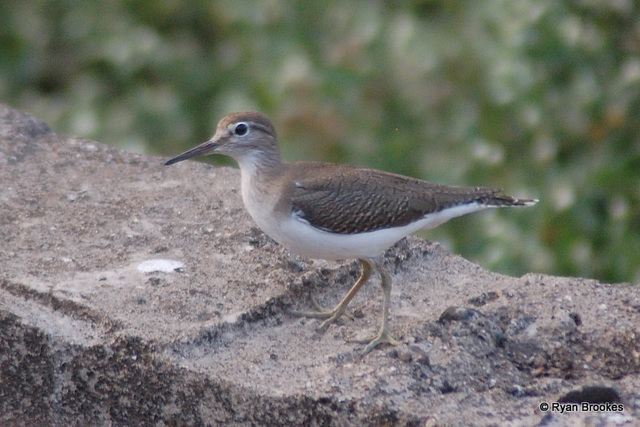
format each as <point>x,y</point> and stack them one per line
<point>346,200</point>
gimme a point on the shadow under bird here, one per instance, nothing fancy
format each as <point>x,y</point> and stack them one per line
<point>335,211</point>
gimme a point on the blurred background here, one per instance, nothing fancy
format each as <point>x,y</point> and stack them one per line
<point>539,97</point>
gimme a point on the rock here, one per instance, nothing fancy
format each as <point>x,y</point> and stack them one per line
<point>87,338</point>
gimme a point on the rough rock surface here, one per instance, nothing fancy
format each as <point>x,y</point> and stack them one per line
<point>88,339</point>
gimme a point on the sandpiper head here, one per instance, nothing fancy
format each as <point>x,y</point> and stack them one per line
<point>240,136</point>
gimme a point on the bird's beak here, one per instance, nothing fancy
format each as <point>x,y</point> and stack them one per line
<point>202,149</point>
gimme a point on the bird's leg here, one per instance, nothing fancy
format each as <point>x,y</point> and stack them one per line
<point>320,309</point>
<point>382,337</point>
<point>334,314</point>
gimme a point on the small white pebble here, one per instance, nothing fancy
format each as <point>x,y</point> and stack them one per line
<point>160,266</point>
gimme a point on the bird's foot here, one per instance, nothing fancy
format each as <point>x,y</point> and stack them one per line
<point>330,316</point>
<point>381,337</point>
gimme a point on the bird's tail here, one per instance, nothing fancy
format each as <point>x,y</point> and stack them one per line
<point>500,201</point>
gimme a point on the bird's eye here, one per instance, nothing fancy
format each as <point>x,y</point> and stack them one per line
<point>241,129</point>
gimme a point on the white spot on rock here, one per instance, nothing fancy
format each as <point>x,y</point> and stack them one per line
<point>160,266</point>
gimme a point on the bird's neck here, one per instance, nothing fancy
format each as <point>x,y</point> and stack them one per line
<point>258,170</point>
<point>259,165</point>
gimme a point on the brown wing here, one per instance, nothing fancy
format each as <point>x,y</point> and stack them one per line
<point>346,200</point>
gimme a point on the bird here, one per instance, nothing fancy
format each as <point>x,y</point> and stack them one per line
<point>336,211</point>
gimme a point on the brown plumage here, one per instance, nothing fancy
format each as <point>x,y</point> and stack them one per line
<point>346,199</point>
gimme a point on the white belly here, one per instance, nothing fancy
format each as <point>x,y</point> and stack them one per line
<point>303,239</point>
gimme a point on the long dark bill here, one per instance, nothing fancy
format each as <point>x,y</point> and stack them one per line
<point>204,148</point>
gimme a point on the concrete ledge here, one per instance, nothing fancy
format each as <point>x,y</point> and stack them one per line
<point>88,338</point>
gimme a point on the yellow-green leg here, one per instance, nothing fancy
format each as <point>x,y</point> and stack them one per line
<point>334,314</point>
<point>382,337</point>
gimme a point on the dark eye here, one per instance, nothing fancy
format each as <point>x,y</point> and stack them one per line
<point>241,129</point>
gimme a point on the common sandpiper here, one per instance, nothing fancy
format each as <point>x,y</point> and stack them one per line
<point>337,211</point>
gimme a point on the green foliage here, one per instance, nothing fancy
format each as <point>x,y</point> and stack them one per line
<point>540,97</point>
